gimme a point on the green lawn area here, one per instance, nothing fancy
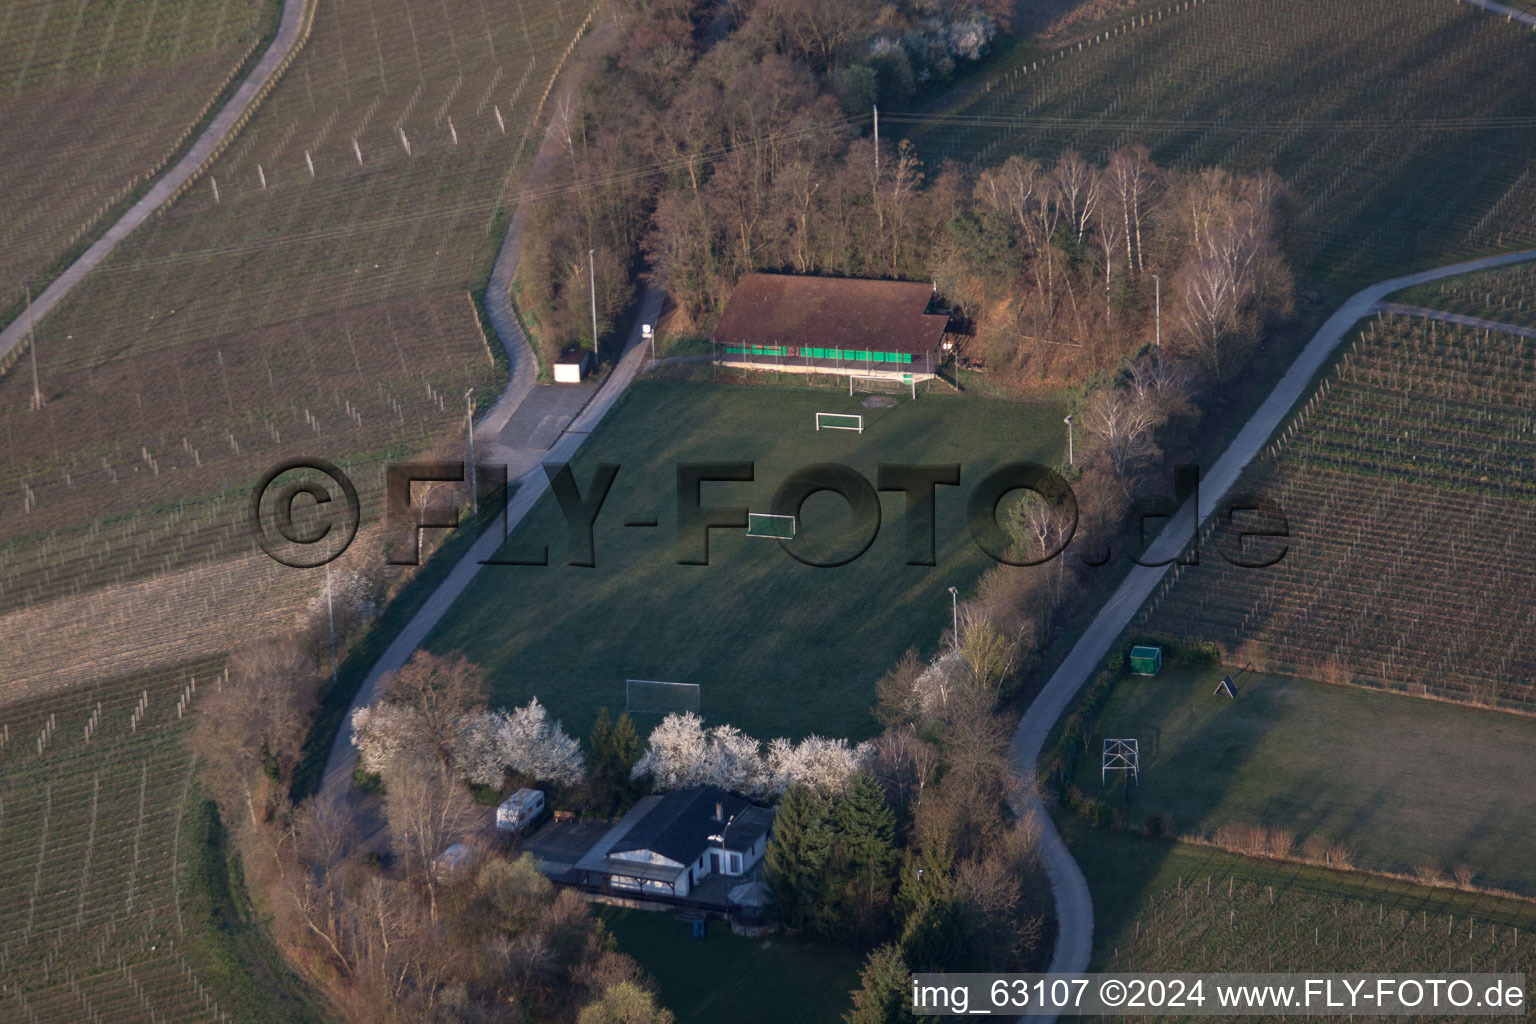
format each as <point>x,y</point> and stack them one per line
<point>1398,780</point>
<point>1125,870</point>
<point>779,648</point>
<point>725,977</point>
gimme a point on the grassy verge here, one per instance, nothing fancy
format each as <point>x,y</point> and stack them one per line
<point>226,940</point>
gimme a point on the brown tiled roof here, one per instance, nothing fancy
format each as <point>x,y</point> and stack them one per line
<point>831,312</point>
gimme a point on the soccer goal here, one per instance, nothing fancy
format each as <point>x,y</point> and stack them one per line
<point>840,421</point>
<point>763,524</point>
<point>656,697</point>
<point>882,382</point>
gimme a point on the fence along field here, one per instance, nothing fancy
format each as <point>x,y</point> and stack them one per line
<point>1217,924</point>
<point>1409,483</point>
<point>308,294</point>
<point>1233,83</point>
<point>94,99</point>
<point>98,911</point>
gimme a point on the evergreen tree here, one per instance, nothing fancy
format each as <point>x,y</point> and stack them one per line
<point>935,937</point>
<point>866,828</point>
<point>884,996</point>
<point>626,747</point>
<point>614,748</point>
<point>865,863</point>
<point>799,856</point>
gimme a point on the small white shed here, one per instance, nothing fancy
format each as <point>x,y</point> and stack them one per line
<point>573,365</point>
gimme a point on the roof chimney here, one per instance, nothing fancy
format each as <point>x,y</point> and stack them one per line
<point>719,811</point>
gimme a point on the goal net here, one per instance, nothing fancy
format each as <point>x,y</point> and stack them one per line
<point>883,383</point>
<point>839,421</point>
<point>762,524</point>
<point>655,697</point>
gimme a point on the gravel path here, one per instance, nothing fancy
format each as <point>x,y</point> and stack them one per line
<point>1456,318</point>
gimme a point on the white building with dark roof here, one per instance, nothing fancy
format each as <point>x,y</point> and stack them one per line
<point>667,845</point>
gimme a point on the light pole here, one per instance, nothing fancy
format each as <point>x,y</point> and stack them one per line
<point>954,608</point>
<point>1071,456</point>
<point>1157,290</point>
<point>592,280</point>
<point>469,429</point>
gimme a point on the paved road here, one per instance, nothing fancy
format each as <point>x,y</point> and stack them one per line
<point>1074,904</point>
<point>222,124</point>
<point>1456,318</point>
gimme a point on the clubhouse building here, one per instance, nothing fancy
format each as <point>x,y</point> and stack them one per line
<point>839,325</point>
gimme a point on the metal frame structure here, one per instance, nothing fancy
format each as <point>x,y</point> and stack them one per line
<point>1121,755</point>
<point>903,382</point>
<point>755,519</point>
<point>843,416</point>
<point>629,704</point>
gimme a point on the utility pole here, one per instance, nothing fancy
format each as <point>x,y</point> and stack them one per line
<point>592,280</point>
<point>877,145</point>
<point>37,391</point>
<point>1157,285</point>
<point>954,607</point>
<point>330,613</point>
<point>1071,460</point>
<point>469,428</point>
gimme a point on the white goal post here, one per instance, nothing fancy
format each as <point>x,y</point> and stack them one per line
<point>882,382</point>
<point>840,421</point>
<point>658,697</point>
<point>765,524</point>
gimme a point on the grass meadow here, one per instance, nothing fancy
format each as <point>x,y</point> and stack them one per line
<point>1341,100</point>
<point>778,648</point>
<point>749,981</point>
<point>1400,782</point>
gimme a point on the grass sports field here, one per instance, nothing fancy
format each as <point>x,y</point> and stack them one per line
<point>752,981</point>
<point>779,648</point>
<point>1401,782</point>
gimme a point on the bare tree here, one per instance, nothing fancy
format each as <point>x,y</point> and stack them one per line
<point>443,692</point>
<point>1124,425</point>
<point>427,810</point>
<point>255,723</point>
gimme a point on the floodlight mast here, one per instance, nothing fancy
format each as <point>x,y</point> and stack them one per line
<point>1071,457</point>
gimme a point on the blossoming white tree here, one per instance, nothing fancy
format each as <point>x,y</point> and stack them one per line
<point>484,746</point>
<point>682,753</point>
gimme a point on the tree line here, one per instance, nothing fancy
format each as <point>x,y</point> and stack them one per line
<point>362,907</point>
<point>748,153</point>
